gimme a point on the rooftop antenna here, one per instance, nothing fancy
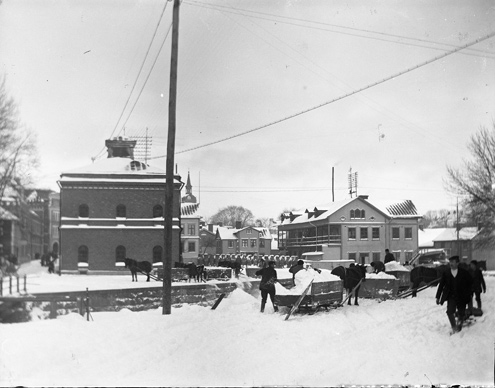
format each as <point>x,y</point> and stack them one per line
<point>352,182</point>
<point>199,188</point>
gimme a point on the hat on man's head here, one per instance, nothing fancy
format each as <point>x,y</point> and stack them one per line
<point>456,258</point>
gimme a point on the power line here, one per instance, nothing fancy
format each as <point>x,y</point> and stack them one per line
<point>233,9</point>
<point>338,98</point>
<point>137,77</point>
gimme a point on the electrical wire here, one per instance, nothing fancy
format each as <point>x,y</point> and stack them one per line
<point>137,77</point>
<point>396,75</point>
<point>240,12</point>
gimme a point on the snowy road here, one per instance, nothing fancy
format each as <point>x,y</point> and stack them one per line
<point>393,342</point>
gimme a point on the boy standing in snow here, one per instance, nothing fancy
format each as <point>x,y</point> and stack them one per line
<point>295,269</point>
<point>478,282</point>
<point>455,288</point>
<point>267,284</point>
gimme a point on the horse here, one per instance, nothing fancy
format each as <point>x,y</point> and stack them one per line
<point>138,266</point>
<point>422,274</point>
<point>351,277</point>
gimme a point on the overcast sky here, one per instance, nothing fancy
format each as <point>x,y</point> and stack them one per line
<point>244,64</point>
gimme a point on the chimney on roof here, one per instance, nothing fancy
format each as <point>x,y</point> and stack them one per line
<point>210,227</point>
<point>363,196</point>
<point>120,147</point>
<point>238,224</point>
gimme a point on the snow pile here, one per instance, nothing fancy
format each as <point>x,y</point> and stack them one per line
<point>380,275</point>
<point>236,345</point>
<point>395,266</point>
<point>303,278</point>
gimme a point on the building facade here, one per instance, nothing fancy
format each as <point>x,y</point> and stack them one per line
<point>352,229</point>
<point>249,240</point>
<point>113,209</point>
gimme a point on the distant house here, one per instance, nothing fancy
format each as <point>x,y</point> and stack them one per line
<point>249,240</point>
<point>462,244</point>
<point>355,229</point>
<point>208,242</point>
<point>190,239</point>
<point>21,228</point>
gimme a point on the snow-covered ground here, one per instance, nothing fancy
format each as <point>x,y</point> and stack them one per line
<point>393,342</point>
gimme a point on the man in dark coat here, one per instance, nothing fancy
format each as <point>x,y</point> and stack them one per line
<point>455,288</point>
<point>295,269</point>
<point>267,284</point>
<point>388,256</point>
<point>478,282</point>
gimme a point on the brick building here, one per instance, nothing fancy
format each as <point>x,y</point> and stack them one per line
<point>113,209</point>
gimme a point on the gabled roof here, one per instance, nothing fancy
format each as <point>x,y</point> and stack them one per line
<point>225,233</point>
<point>390,209</point>
<point>6,215</point>
<point>427,235</point>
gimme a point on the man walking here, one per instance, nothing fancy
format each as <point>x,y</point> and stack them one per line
<point>388,256</point>
<point>455,288</point>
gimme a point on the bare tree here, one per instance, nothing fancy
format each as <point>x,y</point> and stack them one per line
<point>18,158</point>
<point>475,184</point>
<point>230,214</point>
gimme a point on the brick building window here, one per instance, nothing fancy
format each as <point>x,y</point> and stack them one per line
<point>262,243</point>
<point>363,233</point>
<point>84,211</point>
<point>157,254</point>
<point>352,233</point>
<point>351,255</point>
<point>395,233</point>
<point>408,233</point>
<point>245,242</point>
<point>376,256</point>
<point>253,242</point>
<point>191,229</point>
<point>191,246</point>
<point>120,254</point>
<point>157,211</point>
<point>82,254</point>
<point>231,243</point>
<point>375,233</point>
<point>121,211</point>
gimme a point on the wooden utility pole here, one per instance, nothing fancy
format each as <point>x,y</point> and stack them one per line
<point>169,190</point>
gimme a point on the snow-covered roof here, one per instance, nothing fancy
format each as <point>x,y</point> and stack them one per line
<point>426,236</point>
<point>189,209</point>
<point>227,233</point>
<point>6,215</point>
<point>450,234</point>
<point>397,208</point>
<point>391,208</point>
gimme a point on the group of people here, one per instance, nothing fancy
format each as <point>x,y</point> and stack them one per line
<point>457,287</point>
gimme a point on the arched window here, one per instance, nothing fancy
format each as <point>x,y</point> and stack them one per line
<point>363,214</point>
<point>84,211</point>
<point>357,213</point>
<point>82,254</point>
<point>157,254</point>
<point>157,211</point>
<point>121,211</point>
<point>352,214</point>
<point>120,254</point>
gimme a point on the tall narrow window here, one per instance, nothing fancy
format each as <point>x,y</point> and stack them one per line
<point>408,233</point>
<point>352,233</point>
<point>157,254</point>
<point>157,211</point>
<point>121,211</point>
<point>120,254</point>
<point>363,233</point>
<point>82,254</point>
<point>84,211</point>
<point>395,233</point>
